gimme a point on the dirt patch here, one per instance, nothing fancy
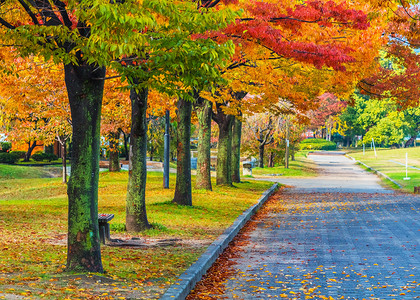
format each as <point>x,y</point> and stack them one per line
<point>136,242</point>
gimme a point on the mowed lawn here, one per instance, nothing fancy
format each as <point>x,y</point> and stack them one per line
<point>33,225</point>
<point>300,167</point>
<point>392,163</point>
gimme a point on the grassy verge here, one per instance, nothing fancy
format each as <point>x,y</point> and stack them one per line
<point>301,167</point>
<point>391,162</point>
<point>22,172</point>
<point>33,224</point>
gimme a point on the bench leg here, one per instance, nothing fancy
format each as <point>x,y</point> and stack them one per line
<point>102,231</point>
<point>107,232</point>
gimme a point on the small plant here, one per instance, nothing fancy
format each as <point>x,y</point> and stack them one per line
<point>118,227</point>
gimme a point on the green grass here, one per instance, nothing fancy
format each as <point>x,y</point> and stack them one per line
<point>22,172</point>
<point>301,167</point>
<point>43,162</point>
<point>33,226</point>
<point>383,162</point>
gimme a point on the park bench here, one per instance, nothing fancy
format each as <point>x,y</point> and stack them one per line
<point>103,220</point>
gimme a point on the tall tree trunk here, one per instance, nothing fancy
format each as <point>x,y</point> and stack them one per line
<point>224,149</point>
<point>183,192</point>
<point>64,158</point>
<point>236,150</point>
<point>31,147</point>
<point>126,137</point>
<point>261,155</point>
<point>136,216</point>
<point>152,150</point>
<point>85,93</point>
<point>204,111</point>
<point>114,159</point>
<point>271,160</point>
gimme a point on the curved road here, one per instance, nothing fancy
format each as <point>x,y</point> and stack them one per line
<point>338,174</point>
<point>337,236</point>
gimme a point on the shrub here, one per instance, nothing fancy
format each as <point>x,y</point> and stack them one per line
<point>19,154</point>
<point>41,156</point>
<point>50,156</point>
<point>5,146</point>
<point>317,144</point>
<point>38,156</point>
<point>8,157</point>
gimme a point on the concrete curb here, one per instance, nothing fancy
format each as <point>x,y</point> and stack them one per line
<point>187,281</point>
<point>377,172</point>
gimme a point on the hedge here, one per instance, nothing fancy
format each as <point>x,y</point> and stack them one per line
<point>317,144</point>
<point>8,157</point>
<point>40,156</point>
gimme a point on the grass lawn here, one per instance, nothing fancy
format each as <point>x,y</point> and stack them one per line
<point>388,161</point>
<point>301,167</point>
<point>33,225</point>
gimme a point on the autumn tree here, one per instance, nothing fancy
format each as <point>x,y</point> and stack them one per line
<point>325,115</point>
<point>398,76</point>
<point>114,120</point>
<point>172,63</point>
<point>35,109</point>
<point>284,40</point>
<point>85,36</point>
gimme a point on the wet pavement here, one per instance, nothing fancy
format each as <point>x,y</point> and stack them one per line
<point>338,236</point>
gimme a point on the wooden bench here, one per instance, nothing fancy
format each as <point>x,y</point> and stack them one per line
<point>103,220</point>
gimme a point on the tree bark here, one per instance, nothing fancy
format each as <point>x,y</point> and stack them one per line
<point>224,149</point>
<point>136,216</point>
<point>204,111</point>
<point>114,159</point>
<point>411,140</point>
<point>270,163</point>
<point>64,158</point>
<point>85,93</point>
<point>183,193</point>
<point>261,155</point>
<point>28,153</point>
<point>236,150</point>
<point>126,137</point>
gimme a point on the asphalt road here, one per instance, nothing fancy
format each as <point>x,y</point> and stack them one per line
<point>337,236</point>
<point>337,174</point>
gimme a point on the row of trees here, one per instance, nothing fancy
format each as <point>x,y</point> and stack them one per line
<point>203,55</point>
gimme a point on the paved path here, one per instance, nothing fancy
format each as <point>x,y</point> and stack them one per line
<point>340,235</point>
<point>337,174</point>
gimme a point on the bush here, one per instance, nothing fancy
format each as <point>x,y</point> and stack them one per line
<point>38,156</point>
<point>41,156</point>
<point>20,154</point>
<point>5,146</point>
<point>8,157</point>
<point>317,144</point>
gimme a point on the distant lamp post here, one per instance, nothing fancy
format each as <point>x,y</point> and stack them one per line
<point>166,153</point>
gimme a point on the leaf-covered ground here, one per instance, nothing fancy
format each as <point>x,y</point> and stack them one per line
<point>323,246</point>
<point>33,224</point>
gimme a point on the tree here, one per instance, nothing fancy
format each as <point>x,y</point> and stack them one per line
<point>329,106</point>
<point>280,42</point>
<point>263,129</point>
<point>115,109</point>
<point>85,37</point>
<point>36,109</point>
<point>398,75</point>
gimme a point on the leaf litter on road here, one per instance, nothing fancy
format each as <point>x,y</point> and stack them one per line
<point>322,246</point>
